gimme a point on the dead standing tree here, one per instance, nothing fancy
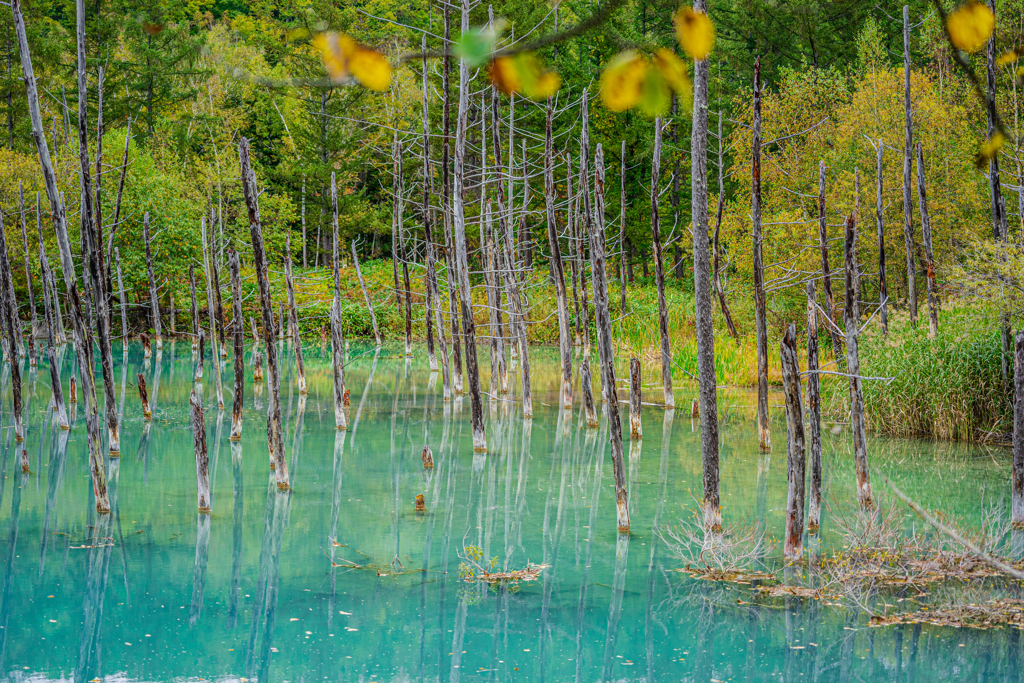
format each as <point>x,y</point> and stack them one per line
<point>813,410</point>
<point>883,286</point>
<point>929,256</point>
<point>238,327</point>
<point>337,338</point>
<point>659,270</point>
<point>826,270</point>
<point>908,209</point>
<point>764,435</point>
<point>793,548</point>
<point>275,437</point>
<point>293,315</point>
<point>557,269</point>
<point>154,300</point>
<point>852,319</point>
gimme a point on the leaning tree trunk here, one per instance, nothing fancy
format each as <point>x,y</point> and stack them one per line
<point>337,339</point>
<point>702,286</point>
<point>461,258</point>
<point>238,329</point>
<point>366,294</point>
<point>929,257</point>
<point>883,287</point>
<point>212,311</point>
<point>852,320</point>
<point>51,347</point>
<point>557,271</point>
<point>826,270</point>
<point>586,220</point>
<point>793,548</point>
<point>764,435</point>
<point>814,410</point>
<point>154,301</point>
<point>908,225</point>
<point>82,335</point>
<point>659,268</point>
<point>605,349</point>
<point>293,315</point>
<point>275,438</point>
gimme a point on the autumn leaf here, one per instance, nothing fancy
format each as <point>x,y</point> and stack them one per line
<point>1007,58</point>
<point>371,68</point>
<point>344,57</point>
<point>674,71</point>
<point>989,149</point>
<point>695,32</point>
<point>970,26</point>
<point>523,73</point>
<point>622,81</point>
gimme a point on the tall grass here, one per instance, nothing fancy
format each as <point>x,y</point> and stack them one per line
<point>950,387</point>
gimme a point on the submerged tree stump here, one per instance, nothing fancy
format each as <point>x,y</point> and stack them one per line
<point>636,428</point>
<point>202,460</point>
<point>147,413</point>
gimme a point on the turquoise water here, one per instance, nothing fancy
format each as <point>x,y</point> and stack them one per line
<point>156,592</point>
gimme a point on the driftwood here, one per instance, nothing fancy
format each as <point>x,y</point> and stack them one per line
<point>764,434</point>
<point>793,547</point>
<point>275,438</point>
<point>238,328</point>
<point>702,284</point>
<point>926,238</point>
<point>147,413</point>
<point>814,411</point>
<point>852,320</point>
<point>908,209</point>
<point>202,460</point>
<point>883,286</point>
<point>154,301</point>
<point>337,338</point>
<point>659,270</point>
<point>606,350</point>
<point>293,315</point>
<point>636,429</point>
<point>557,270</point>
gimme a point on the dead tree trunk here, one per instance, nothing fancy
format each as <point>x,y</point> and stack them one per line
<point>584,222</point>
<point>826,270</point>
<point>195,308</point>
<point>716,266</point>
<point>257,357</point>
<point>659,270</point>
<point>430,275</point>
<point>28,274</point>
<point>337,338</point>
<point>622,230</point>
<point>197,370</point>
<point>1017,474</point>
<point>202,460</point>
<point>12,343</point>
<point>238,327</point>
<point>275,438</point>
<point>929,257</point>
<point>154,301</point>
<point>400,233</point>
<point>588,395</point>
<point>764,435</point>
<point>448,212</point>
<point>814,410</point>
<point>212,311</point>
<point>702,290</point>
<point>852,320</point>
<point>883,287</point>
<point>215,285</point>
<point>793,548</point>
<point>51,347</point>
<point>636,429</point>
<point>293,315</point>
<point>366,294</point>
<point>490,268</point>
<point>147,412</point>
<point>557,271</point>
<point>605,350</point>
<point>462,264</point>
<point>908,225</point>
<point>501,228</point>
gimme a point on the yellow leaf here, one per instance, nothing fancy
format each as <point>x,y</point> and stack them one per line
<point>523,73</point>
<point>370,68</point>
<point>695,32</point>
<point>505,76</point>
<point>335,61</point>
<point>989,149</point>
<point>622,80</point>
<point>546,86</point>
<point>674,71</point>
<point>1007,58</point>
<point>970,26</point>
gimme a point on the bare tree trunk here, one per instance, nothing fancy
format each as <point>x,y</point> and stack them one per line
<point>908,225</point>
<point>197,373</point>
<point>51,348</point>
<point>275,438</point>
<point>929,257</point>
<point>257,357</point>
<point>793,548</point>
<point>622,230</point>
<point>764,435</point>
<point>557,271</point>
<point>490,268</point>
<point>826,270</point>
<point>588,217</point>
<point>636,429</point>
<point>1017,474</point>
<point>448,212</point>
<point>852,315</point>
<point>605,350</point>
<point>814,410</point>
<point>462,265</point>
<point>28,274</point>
<point>497,237</point>
<point>400,230</point>
<point>999,222</point>
<point>147,412</point>
<point>337,338</point>
<point>716,266</point>
<point>195,308</point>
<point>305,263</point>
<point>12,344</point>
<point>430,276</point>
<point>238,327</point>
<point>366,294</point>
<point>154,301</point>
<point>702,291</point>
<point>214,270</point>
<point>572,209</point>
<point>293,315</point>
<point>124,302</point>
<point>586,383</point>
<point>659,270</point>
<point>883,287</point>
<point>202,460</point>
<point>117,211</point>
<point>82,336</point>
<point>211,306</point>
